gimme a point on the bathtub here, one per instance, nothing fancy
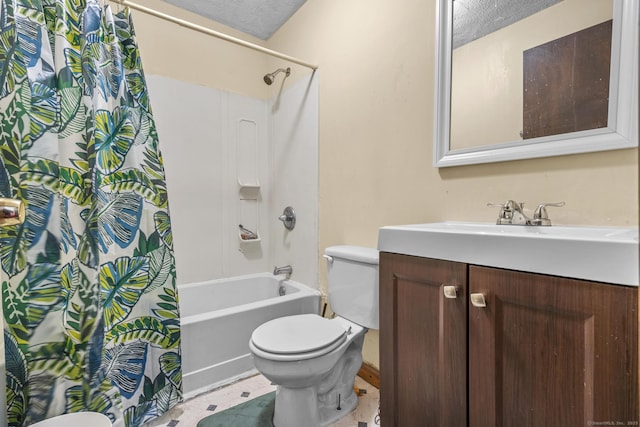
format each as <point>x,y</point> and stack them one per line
<point>218,317</point>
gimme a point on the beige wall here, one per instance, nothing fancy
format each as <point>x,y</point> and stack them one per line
<point>376,62</point>
<point>171,50</point>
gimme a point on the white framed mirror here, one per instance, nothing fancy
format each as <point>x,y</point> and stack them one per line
<point>621,130</point>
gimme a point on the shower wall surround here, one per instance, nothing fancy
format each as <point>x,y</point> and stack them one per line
<point>293,170</point>
<point>231,159</point>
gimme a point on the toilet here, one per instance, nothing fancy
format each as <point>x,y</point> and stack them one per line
<point>314,360</point>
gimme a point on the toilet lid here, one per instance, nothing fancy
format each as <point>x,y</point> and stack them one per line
<point>298,334</point>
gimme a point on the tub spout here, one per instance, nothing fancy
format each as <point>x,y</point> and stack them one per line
<point>287,270</point>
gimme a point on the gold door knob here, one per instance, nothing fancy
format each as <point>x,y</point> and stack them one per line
<point>477,300</point>
<point>12,212</point>
<point>450,291</point>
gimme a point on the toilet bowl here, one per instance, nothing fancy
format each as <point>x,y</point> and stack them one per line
<point>314,360</point>
<point>76,419</point>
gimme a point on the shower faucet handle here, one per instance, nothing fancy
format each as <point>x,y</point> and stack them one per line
<point>288,218</point>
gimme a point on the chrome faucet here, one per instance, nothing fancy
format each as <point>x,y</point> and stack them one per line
<point>512,213</point>
<point>287,270</point>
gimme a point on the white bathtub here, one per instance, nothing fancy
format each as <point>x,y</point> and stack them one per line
<point>218,317</point>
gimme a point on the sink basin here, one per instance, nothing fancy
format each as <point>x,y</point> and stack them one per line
<point>601,254</point>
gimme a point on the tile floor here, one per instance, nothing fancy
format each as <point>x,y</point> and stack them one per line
<point>188,413</point>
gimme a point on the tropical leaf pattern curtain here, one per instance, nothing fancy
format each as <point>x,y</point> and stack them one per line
<point>88,281</point>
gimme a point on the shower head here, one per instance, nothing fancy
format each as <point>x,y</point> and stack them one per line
<point>269,78</point>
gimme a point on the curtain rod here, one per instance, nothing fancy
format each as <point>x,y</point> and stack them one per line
<point>213,33</point>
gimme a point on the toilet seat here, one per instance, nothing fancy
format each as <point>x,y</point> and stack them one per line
<point>298,337</point>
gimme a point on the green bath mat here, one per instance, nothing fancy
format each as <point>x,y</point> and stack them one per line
<point>257,412</point>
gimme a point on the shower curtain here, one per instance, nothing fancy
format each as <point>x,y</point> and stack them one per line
<point>88,290</point>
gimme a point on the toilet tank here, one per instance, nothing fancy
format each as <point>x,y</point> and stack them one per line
<point>353,283</point>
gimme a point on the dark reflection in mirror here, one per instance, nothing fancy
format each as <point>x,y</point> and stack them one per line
<point>566,83</point>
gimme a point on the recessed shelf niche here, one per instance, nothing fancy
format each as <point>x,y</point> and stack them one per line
<point>247,155</point>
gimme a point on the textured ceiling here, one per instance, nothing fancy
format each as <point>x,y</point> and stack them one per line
<point>473,19</point>
<point>260,18</point>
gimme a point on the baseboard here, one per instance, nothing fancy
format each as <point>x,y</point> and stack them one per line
<point>370,374</point>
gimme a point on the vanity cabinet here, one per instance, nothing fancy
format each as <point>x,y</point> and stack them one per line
<point>544,351</point>
<point>423,342</point>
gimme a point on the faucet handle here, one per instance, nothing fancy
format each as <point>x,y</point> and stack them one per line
<point>508,205</point>
<point>540,216</point>
<point>505,214</point>
<point>496,205</point>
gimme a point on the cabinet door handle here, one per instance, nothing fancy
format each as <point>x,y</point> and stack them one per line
<point>450,292</point>
<point>477,300</point>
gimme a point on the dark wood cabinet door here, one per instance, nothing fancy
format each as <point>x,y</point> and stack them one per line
<point>423,342</point>
<point>548,351</point>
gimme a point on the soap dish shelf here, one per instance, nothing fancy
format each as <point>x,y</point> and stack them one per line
<point>257,240</point>
<point>249,185</point>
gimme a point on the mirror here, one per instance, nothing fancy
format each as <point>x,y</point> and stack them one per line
<point>483,144</point>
